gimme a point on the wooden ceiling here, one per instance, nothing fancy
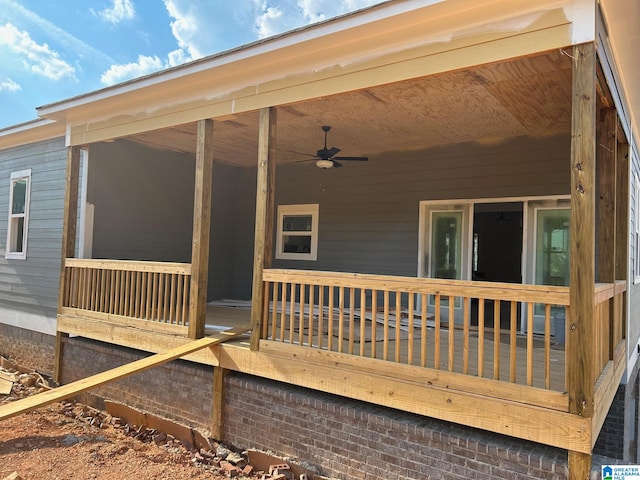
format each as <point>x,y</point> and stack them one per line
<point>526,96</point>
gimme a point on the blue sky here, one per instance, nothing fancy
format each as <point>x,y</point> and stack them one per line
<point>51,50</point>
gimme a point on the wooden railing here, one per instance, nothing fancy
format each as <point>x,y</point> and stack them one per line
<point>609,322</point>
<point>153,291</point>
<point>408,320</point>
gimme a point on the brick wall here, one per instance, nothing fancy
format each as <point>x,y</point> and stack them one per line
<point>353,440</point>
<point>178,390</point>
<point>611,439</point>
<point>28,348</point>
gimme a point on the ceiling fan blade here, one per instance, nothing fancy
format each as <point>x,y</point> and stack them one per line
<point>333,151</point>
<point>305,160</point>
<point>336,164</point>
<point>299,153</point>
<point>357,159</point>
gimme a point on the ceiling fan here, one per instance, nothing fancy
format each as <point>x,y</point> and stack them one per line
<point>326,157</point>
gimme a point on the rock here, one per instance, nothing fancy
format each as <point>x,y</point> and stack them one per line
<point>222,452</point>
<point>13,476</point>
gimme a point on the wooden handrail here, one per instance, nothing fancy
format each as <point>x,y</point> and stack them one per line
<point>488,290</point>
<point>130,265</point>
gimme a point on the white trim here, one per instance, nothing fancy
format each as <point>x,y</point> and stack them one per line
<point>85,221</point>
<point>28,321</point>
<point>304,209</point>
<point>9,254</point>
<point>636,232</point>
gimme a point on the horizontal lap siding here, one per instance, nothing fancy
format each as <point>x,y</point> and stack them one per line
<point>369,212</point>
<point>31,285</point>
<point>634,291</point>
<point>144,208</point>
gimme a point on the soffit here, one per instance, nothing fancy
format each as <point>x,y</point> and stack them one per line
<point>526,96</point>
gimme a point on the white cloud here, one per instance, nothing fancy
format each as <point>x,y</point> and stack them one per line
<point>38,58</point>
<point>121,10</point>
<point>120,73</point>
<point>13,10</point>
<point>286,15</point>
<point>202,27</point>
<point>9,85</point>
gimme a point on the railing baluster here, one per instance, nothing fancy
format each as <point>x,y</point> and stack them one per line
<point>452,331</point>
<point>363,319</point>
<point>265,311</point>
<point>352,318</point>
<point>320,315</point>
<point>330,319</point>
<point>292,311</point>
<point>274,311</point>
<point>496,339</point>
<point>423,330</point>
<point>312,291</point>
<point>283,309</point>
<point>547,346</point>
<point>530,344</point>
<point>481,337</point>
<point>513,326</point>
<point>436,335</point>
<point>374,322</point>
<point>301,322</point>
<point>411,308</point>
<point>340,319</point>
<point>466,319</point>
<point>385,337</point>
<point>398,330</point>
<point>172,302</point>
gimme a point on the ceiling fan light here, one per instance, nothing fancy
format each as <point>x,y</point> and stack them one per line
<point>322,163</point>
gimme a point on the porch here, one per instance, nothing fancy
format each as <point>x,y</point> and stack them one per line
<point>425,345</point>
<point>319,327</point>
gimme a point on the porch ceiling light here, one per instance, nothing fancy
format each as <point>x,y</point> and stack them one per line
<point>323,163</point>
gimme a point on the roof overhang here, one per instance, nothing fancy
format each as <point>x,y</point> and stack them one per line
<point>30,132</point>
<point>391,42</point>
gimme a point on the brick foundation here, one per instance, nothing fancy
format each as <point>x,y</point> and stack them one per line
<point>611,439</point>
<point>342,438</point>
<point>353,440</point>
<point>178,390</point>
<point>28,348</point>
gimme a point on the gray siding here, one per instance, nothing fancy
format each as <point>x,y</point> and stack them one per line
<point>144,209</point>
<point>31,285</point>
<point>634,289</point>
<point>369,212</point>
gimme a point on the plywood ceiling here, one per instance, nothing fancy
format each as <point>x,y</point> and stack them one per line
<point>527,96</point>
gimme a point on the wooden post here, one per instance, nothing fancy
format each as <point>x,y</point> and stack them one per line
<point>581,331</point>
<point>606,179</point>
<point>622,212</point>
<point>263,248</point>
<point>201,228</point>
<point>217,414</point>
<point>69,222</point>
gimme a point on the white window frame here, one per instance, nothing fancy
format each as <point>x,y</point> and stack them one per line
<point>305,209</point>
<point>636,232</point>
<point>15,176</point>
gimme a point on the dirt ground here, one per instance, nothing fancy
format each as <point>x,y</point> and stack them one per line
<point>57,442</point>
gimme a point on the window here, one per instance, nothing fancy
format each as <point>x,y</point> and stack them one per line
<point>297,232</point>
<point>636,233</point>
<point>20,188</point>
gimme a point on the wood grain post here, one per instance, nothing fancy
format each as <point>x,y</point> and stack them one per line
<point>581,332</point>
<point>201,229</point>
<point>217,410</point>
<point>263,246</point>
<point>69,223</point>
